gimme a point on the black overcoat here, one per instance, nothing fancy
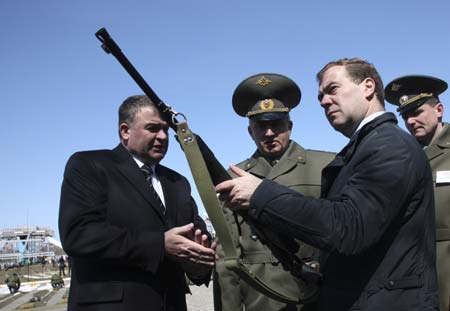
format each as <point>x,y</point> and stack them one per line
<point>375,224</point>
<point>111,226</point>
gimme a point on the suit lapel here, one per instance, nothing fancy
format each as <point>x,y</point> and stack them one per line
<point>130,171</point>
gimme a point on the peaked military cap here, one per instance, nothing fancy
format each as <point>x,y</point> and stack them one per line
<point>265,97</point>
<point>410,92</point>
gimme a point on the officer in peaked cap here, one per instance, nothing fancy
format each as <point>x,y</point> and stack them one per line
<point>266,100</point>
<point>410,92</point>
<point>417,98</point>
<point>265,97</point>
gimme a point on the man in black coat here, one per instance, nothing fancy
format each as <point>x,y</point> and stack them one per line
<point>130,224</point>
<point>375,221</point>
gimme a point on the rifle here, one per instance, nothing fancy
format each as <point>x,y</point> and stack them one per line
<point>208,171</point>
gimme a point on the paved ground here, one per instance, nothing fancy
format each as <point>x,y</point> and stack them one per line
<point>57,297</point>
<point>200,300</point>
<point>18,302</point>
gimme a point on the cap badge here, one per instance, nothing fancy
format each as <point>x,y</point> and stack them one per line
<point>406,100</point>
<point>263,81</point>
<point>266,104</point>
<point>403,99</point>
<point>395,87</point>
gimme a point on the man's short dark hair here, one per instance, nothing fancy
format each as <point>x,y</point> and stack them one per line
<point>131,106</point>
<point>433,101</point>
<point>358,70</point>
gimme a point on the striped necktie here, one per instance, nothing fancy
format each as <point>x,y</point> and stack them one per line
<point>148,173</point>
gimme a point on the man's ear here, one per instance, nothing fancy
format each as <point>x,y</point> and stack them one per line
<point>439,108</point>
<point>291,125</point>
<point>124,131</point>
<point>369,87</point>
<point>249,130</point>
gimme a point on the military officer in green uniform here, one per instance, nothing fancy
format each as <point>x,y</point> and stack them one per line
<point>57,281</point>
<point>266,100</point>
<point>13,282</point>
<point>419,105</point>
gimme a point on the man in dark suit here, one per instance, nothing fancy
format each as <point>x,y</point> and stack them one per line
<point>375,220</point>
<point>129,223</point>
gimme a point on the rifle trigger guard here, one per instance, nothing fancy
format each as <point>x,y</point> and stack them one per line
<point>174,117</point>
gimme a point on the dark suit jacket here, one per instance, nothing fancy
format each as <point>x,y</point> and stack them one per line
<point>110,224</point>
<point>376,225</point>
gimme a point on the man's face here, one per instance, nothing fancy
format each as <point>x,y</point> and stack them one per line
<point>343,100</point>
<point>423,121</point>
<point>146,137</point>
<point>271,137</point>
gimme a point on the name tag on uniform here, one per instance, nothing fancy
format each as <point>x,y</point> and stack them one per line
<point>442,177</point>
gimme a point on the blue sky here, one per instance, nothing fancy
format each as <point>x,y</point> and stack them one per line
<point>60,92</point>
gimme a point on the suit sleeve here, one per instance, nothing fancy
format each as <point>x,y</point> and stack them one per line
<point>375,191</point>
<point>84,229</point>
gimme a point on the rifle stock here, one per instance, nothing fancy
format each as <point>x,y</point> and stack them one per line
<point>283,248</point>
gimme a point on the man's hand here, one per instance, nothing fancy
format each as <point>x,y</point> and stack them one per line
<point>202,239</point>
<point>182,249</point>
<point>199,269</point>
<point>236,193</point>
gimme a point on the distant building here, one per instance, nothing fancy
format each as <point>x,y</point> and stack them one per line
<point>27,244</point>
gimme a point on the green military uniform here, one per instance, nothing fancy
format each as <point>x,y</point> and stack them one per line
<point>438,153</point>
<point>300,170</point>
<point>265,98</point>
<point>13,283</point>
<point>409,93</point>
<point>57,281</point>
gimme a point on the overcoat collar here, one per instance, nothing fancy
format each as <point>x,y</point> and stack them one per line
<point>331,171</point>
<point>130,171</point>
<point>293,156</point>
<point>439,144</point>
<point>347,152</point>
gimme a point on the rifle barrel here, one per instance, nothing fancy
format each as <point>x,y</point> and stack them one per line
<point>110,46</point>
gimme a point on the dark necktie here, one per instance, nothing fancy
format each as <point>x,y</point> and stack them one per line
<point>148,172</point>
